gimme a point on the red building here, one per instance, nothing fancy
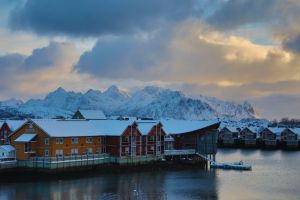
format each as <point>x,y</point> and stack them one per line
<point>7,127</point>
<point>122,137</point>
<point>153,137</point>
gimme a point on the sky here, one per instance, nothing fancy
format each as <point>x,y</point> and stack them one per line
<point>230,49</point>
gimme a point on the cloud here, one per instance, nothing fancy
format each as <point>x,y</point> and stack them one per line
<point>93,17</point>
<point>190,53</point>
<point>234,13</point>
<point>21,74</point>
<point>52,55</point>
<point>293,44</point>
<point>277,106</point>
<point>125,56</point>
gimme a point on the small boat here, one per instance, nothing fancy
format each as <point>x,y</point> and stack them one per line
<point>235,165</point>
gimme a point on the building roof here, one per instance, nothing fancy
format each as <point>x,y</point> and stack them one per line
<point>7,148</point>
<point>295,130</point>
<point>146,126</point>
<point>276,130</point>
<point>26,137</point>
<point>232,129</point>
<point>252,129</point>
<point>15,124</point>
<point>111,127</point>
<point>185,126</point>
<point>92,114</point>
<point>67,128</point>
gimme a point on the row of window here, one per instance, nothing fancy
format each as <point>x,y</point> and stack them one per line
<point>136,138</point>
<point>74,140</point>
<point>74,151</point>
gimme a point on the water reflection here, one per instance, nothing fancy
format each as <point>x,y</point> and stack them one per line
<point>143,185</point>
<point>275,175</point>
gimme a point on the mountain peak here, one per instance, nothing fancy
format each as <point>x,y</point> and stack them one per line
<point>59,89</point>
<point>112,89</point>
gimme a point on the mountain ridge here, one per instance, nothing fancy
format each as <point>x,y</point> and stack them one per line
<point>151,101</point>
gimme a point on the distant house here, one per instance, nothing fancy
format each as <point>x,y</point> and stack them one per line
<point>7,152</point>
<point>290,137</point>
<point>249,135</point>
<point>271,136</point>
<point>229,135</point>
<point>89,115</point>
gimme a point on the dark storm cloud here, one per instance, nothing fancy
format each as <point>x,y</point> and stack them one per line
<point>125,56</point>
<point>96,17</point>
<point>40,58</point>
<point>44,57</point>
<point>235,13</point>
<point>293,44</point>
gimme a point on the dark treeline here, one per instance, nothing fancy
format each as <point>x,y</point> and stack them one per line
<point>286,122</point>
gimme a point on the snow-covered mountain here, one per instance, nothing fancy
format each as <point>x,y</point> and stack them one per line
<point>150,101</point>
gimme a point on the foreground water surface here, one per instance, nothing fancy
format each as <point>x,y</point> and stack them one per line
<point>275,175</point>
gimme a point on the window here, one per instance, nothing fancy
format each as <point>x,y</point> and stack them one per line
<point>27,147</point>
<point>99,139</point>
<point>59,152</point>
<point>152,148</point>
<point>89,140</point>
<point>46,141</point>
<point>125,139</point>
<point>74,152</point>
<point>74,140</point>
<point>133,139</point>
<point>89,151</point>
<point>103,149</point>
<point>126,149</point>
<point>59,140</point>
<point>151,138</point>
<point>46,153</point>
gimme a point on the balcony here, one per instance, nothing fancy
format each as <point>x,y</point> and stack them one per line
<point>179,152</point>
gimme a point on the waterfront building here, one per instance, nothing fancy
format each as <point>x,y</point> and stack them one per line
<point>50,138</point>
<point>7,152</point>
<point>6,128</point>
<point>153,137</point>
<point>290,137</point>
<point>271,136</point>
<point>122,137</point>
<point>196,137</point>
<point>228,136</point>
<point>249,136</point>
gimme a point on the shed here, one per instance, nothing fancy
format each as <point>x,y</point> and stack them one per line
<point>7,151</point>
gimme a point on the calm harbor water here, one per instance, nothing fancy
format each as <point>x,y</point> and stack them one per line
<point>275,175</point>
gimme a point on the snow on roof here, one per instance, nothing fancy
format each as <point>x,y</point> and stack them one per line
<point>15,124</point>
<point>67,128</point>
<point>26,137</point>
<point>295,130</point>
<point>111,127</point>
<point>232,129</point>
<point>145,126</point>
<point>252,129</point>
<point>92,114</point>
<point>276,130</point>
<point>185,126</point>
<point>7,148</point>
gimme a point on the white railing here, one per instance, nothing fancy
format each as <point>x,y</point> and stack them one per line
<point>180,152</point>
